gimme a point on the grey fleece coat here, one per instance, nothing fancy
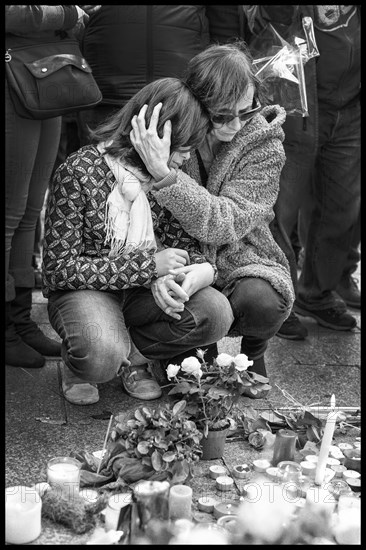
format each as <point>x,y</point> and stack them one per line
<point>231,216</point>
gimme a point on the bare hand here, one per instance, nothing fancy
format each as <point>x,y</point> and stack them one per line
<point>169,259</point>
<point>197,276</point>
<point>153,150</point>
<point>169,295</point>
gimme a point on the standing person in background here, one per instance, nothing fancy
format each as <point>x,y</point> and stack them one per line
<point>31,148</point>
<point>129,46</point>
<point>225,192</point>
<point>321,177</point>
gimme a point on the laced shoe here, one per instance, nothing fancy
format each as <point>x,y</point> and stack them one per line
<point>349,291</point>
<point>76,390</point>
<point>292,329</point>
<point>335,317</point>
<point>139,383</point>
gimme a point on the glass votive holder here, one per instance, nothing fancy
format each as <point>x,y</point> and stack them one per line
<point>23,507</point>
<point>289,471</point>
<point>113,510</point>
<point>63,474</point>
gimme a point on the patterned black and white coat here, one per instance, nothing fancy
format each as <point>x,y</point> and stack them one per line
<point>75,256</point>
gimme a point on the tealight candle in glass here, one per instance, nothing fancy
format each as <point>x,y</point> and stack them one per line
<point>23,507</point>
<point>63,474</point>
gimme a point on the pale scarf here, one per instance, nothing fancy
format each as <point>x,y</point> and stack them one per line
<point>128,221</point>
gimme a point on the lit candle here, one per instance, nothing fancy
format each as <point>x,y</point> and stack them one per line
<point>284,446</point>
<point>216,471</point>
<point>224,483</point>
<point>326,443</point>
<point>352,459</point>
<point>180,502</point>
<point>63,474</point>
<point>23,507</point>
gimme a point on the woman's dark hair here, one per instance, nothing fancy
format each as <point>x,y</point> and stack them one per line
<point>220,75</point>
<point>189,121</point>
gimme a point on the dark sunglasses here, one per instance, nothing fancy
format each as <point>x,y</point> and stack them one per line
<point>225,118</point>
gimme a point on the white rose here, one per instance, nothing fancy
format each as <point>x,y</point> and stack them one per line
<point>172,371</point>
<point>191,365</point>
<point>241,362</point>
<point>224,360</point>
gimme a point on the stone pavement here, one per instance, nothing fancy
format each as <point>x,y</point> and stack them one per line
<point>40,424</point>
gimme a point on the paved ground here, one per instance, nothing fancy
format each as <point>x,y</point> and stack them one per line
<point>40,424</point>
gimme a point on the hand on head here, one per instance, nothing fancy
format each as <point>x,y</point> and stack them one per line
<point>153,150</point>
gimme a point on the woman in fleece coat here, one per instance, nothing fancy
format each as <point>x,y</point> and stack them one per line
<point>224,194</point>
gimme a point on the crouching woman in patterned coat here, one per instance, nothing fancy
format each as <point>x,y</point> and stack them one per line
<point>111,256</point>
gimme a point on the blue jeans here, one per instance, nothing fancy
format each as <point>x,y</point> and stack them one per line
<point>31,148</point>
<point>96,328</point>
<point>259,311</point>
<point>331,216</point>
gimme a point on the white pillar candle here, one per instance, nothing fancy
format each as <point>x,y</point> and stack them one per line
<point>63,474</point>
<point>326,443</point>
<point>180,502</point>
<point>23,507</point>
<point>348,527</point>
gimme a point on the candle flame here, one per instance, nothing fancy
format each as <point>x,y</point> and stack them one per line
<point>332,401</point>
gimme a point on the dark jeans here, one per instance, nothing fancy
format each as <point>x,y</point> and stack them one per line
<point>96,343</point>
<point>31,148</point>
<point>332,214</point>
<point>259,311</point>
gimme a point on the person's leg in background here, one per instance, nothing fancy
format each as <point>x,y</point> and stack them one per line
<point>31,148</point>
<point>294,191</point>
<point>330,222</point>
<point>347,287</point>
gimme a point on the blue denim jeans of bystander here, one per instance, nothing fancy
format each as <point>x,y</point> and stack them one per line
<point>331,218</point>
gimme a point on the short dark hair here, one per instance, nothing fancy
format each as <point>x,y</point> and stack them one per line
<point>190,123</point>
<point>220,75</point>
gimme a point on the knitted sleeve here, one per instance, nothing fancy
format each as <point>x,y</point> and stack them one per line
<point>75,256</point>
<point>23,20</point>
<point>241,195</point>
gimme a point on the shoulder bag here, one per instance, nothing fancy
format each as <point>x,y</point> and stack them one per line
<point>48,79</point>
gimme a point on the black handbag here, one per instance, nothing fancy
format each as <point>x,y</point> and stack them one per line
<point>48,79</point>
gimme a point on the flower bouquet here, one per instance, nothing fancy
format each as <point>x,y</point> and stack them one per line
<point>211,391</point>
<point>154,444</point>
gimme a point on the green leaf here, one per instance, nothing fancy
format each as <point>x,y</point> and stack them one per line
<point>156,461</point>
<point>181,387</point>
<point>143,447</point>
<point>140,417</point>
<point>180,471</point>
<point>179,407</point>
<point>169,456</point>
